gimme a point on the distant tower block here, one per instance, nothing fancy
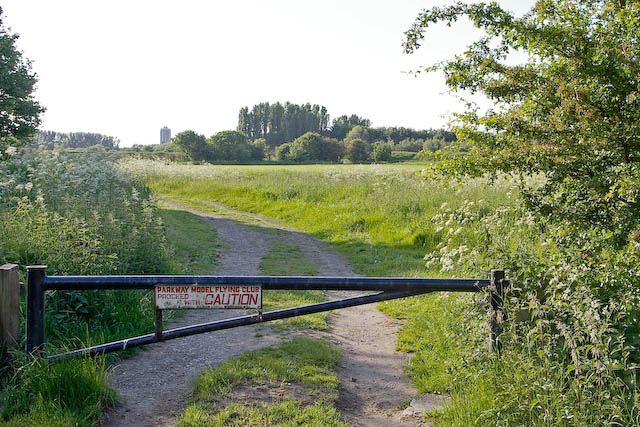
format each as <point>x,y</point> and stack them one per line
<point>165,135</point>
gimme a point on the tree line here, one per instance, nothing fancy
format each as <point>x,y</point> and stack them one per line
<point>301,133</point>
<point>49,140</point>
<point>278,124</point>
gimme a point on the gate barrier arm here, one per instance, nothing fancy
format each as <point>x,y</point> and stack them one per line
<point>388,288</point>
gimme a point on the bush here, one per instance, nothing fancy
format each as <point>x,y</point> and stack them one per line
<point>571,338</point>
<point>357,151</point>
<point>259,149</point>
<point>381,152</point>
<point>282,152</point>
<point>310,147</point>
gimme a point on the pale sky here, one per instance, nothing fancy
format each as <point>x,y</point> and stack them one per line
<point>128,67</point>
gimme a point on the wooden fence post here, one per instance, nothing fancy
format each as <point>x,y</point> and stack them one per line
<point>9,305</point>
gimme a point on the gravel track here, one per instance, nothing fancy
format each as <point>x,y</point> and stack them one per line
<point>156,383</point>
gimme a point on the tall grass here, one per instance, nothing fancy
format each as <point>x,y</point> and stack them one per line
<point>571,338</point>
<point>379,216</point>
<point>78,214</point>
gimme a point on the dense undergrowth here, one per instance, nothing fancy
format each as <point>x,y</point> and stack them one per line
<point>570,342</point>
<point>77,214</point>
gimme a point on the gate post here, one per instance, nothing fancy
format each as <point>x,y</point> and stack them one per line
<point>9,305</point>
<point>497,313</point>
<point>35,309</point>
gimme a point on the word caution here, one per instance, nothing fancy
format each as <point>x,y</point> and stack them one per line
<point>194,296</point>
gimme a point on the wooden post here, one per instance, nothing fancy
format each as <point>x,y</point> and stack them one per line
<point>9,305</point>
<point>497,313</point>
<point>35,309</point>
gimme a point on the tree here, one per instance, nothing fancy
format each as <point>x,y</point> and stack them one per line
<point>343,124</point>
<point>278,124</point>
<point>381,152</point>
<point>358,132</point>
<point>19,111</point>
<point>570,112</point>
<point>357,151</point>
<point>194,145</point>
<point>229,145</point>
<point>50,140</point>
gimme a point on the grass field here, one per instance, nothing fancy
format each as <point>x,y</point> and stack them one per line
<point>380,218</point>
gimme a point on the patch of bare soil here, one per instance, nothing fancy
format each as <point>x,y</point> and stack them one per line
<point>156,383</point>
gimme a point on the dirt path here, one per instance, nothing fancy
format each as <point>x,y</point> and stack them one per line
<point>155,383</point>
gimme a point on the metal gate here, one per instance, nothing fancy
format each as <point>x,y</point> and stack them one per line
<point>38,283</point>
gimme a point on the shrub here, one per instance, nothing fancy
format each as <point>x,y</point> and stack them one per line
<point>357,151</point>
<point>381,152</point>
<point>310,147</point>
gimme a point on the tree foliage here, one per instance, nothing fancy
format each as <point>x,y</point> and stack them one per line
<point>567,121</point>
<point>230,145</point>
<point>343,124</point>
<point>19,111</point>
<point>194,145</point>
<point>50,140</point>
<point>381,152</point>
<point>571,112</point>
<point>278,123</point>
<point>310,147</point>
<point>357,150</point>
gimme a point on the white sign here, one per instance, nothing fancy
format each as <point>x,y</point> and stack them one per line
<point>221,296</point>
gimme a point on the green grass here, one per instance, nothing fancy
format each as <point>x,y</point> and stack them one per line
<point>194,242</point>
<point>307,362</point>
<point>65,393</point>
<point>380,218</point>
<point>285,413</point>
<point>286,259</point>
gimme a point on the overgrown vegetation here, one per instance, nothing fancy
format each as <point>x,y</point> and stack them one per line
<point>78,215</point>
<point>570,113</point>
<point>302,362</point>
<point>385,218</point>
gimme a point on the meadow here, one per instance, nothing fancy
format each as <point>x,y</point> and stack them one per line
<point>570,341</point>
<point>381,218</point>
<point>378,216</point>
<point>569,325</point>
